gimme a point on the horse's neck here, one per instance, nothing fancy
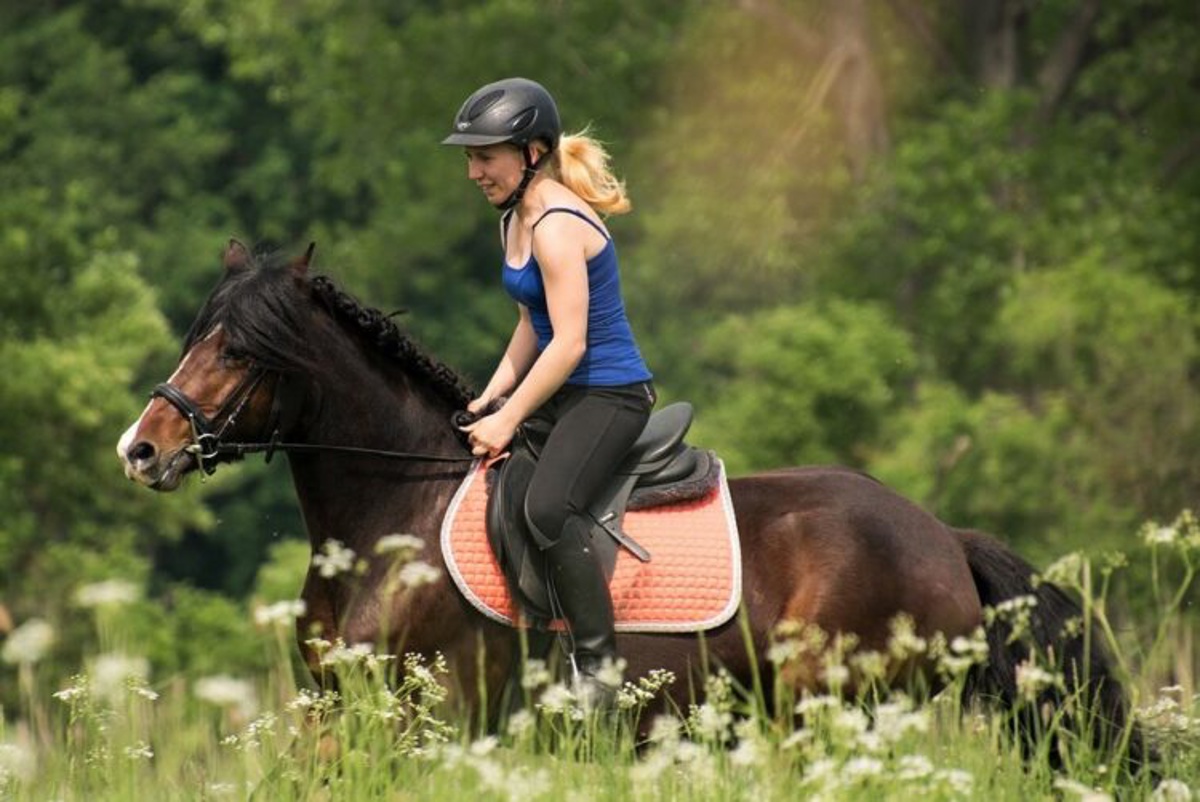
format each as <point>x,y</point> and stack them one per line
<point>358,499</point>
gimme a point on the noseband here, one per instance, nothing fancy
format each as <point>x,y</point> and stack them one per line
<point>206,433</point>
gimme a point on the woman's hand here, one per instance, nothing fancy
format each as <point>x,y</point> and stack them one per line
<point>478,405</point>
<point>490,435</point>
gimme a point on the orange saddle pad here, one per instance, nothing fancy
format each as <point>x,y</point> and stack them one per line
<point>693,580</point>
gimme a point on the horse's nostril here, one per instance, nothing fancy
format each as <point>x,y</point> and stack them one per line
<point>140,452</point>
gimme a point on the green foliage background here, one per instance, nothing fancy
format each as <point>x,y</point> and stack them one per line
<point>857,238</point>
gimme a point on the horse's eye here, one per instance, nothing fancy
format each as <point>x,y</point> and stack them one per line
<point>234,359</point>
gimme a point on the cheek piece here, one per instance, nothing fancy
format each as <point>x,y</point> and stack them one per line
<point>531,169</point>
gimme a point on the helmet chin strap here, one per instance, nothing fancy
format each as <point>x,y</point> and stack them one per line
<point>531,170</point>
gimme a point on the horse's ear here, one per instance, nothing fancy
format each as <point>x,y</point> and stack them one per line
<point>237,256</point>
<point>300,264</point>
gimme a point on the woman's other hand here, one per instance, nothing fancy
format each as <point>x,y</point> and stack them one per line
<point>490,435</point>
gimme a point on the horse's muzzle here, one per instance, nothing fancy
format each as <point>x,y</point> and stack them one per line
<point>146,465</point>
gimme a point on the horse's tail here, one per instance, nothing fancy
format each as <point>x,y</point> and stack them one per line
<point>1059,633</point>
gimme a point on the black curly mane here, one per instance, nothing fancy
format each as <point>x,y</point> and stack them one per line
<point>265,311</point>
<point>388,339</point>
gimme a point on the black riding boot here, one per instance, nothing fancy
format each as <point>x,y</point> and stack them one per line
<point>581,591</point>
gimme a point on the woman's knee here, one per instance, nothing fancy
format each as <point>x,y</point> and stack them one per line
<point>546,513</point>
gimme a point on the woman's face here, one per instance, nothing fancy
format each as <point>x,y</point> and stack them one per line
<point>496,170</point>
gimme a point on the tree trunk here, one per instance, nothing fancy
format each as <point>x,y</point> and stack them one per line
<point>993,33</point>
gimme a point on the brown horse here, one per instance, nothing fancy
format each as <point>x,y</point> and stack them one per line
<point>276,354</point>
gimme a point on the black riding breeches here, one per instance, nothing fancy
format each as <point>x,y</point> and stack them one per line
<point>592,431</point>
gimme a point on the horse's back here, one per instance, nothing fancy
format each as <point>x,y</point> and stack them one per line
<point>835,547</point>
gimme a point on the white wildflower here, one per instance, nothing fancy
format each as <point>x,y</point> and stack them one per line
<point>1032,680</point>
<point>521,723</point>
<point>1172,791</point>
<point>633,695</point>
<point>1154,535</point>
<point>557,699</point>
<point>1017,612</point>
<point>143,691</point>
<point>1066,570</point>
<point>109,593</point>
<point>280,613</point>
<point>418,573</point>
<point>812,704</point>
<point>913,767</point>
<point>894,720</point>
<point>651,768</point>
<point>962,653</point>
<point>341,654</point>
<point>862,767</point>
<point>333,559</point>
<point>28,643</point>
<point>870,664</point>
<point>835,674</point>
<point>113,672</point>
<point>784,651</point>
<point>404,545</point>
<point>664,729</point>
<point>960,781</point>
<point>484,746</point>
<point>798,738</point>
<point>748,753</point>
<point>822,771</point>
<point>612,672</point>
<point>78,689</point>
<point>710,722</point>
<point>251,737</point>
<point>225,691</point>
<point>16,761</point>
<point>139,751</point>
<point>1083,793</point>
<point>904,641</point>
<point>850,722</point>
<point>536,675</point>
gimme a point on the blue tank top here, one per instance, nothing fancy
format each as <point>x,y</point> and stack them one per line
<point>611,357</point>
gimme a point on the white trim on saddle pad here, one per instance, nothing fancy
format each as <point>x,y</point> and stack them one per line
<point>477,560</point>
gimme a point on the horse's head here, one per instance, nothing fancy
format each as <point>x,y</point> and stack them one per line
<point>246,340</point>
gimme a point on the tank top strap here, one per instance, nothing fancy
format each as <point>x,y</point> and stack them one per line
<point>577,213</point>
<point>504,219</point>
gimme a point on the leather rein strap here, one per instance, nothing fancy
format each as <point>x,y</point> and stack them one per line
<point>207,444</point>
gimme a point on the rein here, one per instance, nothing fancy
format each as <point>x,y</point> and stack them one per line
<point>207,444</point>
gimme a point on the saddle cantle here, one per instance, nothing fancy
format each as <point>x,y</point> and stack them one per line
<point>659,469</point>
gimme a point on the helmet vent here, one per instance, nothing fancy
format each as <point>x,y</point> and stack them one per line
<point>523,120</point>
<point>483,104</point>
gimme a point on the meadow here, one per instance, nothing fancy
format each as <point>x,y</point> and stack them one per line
<point>115,730</point>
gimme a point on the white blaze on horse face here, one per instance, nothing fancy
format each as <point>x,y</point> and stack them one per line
<point>130,435</point>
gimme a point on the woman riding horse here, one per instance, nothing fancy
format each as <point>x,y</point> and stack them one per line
<point>281,360</point>
<point>571,363</point>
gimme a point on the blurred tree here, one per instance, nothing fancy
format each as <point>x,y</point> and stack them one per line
<point>799,384</point>
<point>373,86</point>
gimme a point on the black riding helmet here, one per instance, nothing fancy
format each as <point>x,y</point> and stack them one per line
<point>514,110</point>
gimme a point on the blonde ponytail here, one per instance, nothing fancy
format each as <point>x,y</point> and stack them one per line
<point>582,165</point>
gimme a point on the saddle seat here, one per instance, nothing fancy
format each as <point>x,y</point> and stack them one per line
<point>659,469</point>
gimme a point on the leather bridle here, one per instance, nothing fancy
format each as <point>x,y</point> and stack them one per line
<point>208,432</point>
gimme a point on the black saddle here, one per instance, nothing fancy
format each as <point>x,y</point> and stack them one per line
<point>659,469</point>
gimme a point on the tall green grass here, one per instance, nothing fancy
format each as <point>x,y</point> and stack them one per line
<point>389,732</point>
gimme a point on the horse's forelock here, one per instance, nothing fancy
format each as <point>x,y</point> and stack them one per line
<point>264,313</point>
